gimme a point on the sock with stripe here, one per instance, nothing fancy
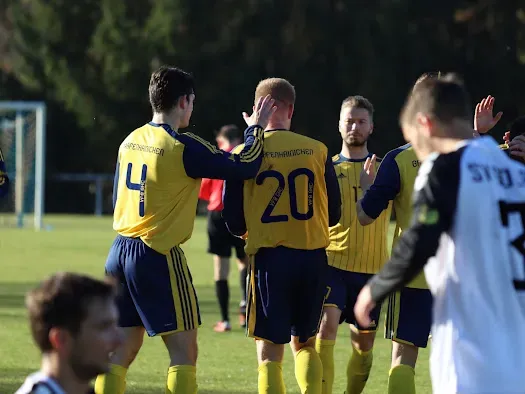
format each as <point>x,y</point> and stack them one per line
<point>113,382</point>
<point>358,371</point>
<point>401,380</point>
<point>270,380</point>
<point>309,371</point>
<point>223,295</point>
<point>325,349</point>
<point>182,379</point>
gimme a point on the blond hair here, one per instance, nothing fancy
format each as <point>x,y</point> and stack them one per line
<point>280,90</point>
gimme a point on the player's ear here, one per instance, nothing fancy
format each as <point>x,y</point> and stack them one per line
<point>371,127</point>
<point>424,123</point>
<point>290,111</point>
<point>58,338</point>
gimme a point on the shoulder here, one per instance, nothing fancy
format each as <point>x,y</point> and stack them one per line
<point>194,142</point>
<point>38,384</point>
<point>439,170</point>
<point>237,149</point>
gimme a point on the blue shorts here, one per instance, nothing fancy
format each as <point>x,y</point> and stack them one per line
<point>343,289</point>
<point>155,290</point>
<point>409,317</point>
<point>286,292</point>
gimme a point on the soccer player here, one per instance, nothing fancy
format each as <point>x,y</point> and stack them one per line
<point>354,254</point>
<point>467,232</point>
<point>409,312</point>
<point>73,320</point>
<point>4,180</point>
<point>156,188</point>
<point>285,211</point>
<point>220,240</point>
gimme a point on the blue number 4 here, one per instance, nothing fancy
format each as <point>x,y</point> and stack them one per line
<point>141,187</point>
<point>267,216</point>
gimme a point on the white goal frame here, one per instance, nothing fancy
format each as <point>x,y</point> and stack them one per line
<point>39,108</point>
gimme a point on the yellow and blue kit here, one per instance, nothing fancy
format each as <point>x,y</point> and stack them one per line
<point>409,313</point>
<point>355,252</point>
<point>286,211</point>
<point>156,188</point>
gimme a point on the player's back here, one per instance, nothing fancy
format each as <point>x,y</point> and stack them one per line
<point>286,204</point>
<point>478,276</point>
<point>154,198</point>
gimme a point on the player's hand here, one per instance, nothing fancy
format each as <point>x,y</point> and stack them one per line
<point>364,306</point>
<point>483,119</point>
<point>517,146</point>
<point>506,137</point>
<point>368,173</point>
<point>262,112</point>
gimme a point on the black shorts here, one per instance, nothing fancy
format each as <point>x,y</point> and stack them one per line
<point>220,240</point>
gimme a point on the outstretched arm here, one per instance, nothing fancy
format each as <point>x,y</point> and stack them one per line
<point>4,180</point>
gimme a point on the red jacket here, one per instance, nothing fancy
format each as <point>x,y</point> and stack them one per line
<point>211,191</point>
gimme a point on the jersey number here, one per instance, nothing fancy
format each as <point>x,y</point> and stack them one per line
<point>140,187</point>
<point>506,209</point>
<point>267,216</point>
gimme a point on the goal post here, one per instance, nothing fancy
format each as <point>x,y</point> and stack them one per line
<point>23,140</point>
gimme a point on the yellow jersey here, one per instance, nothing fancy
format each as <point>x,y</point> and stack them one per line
<point>395,182</point>
<point>158,177</point>
<point>354,247</point>
<point>292,200</point>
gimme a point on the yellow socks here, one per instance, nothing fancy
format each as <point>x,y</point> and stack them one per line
<point>271,378</point>
<point>114,382</point>
<point>309,371</point>
<point>358,371</point>
<point>325,349</point>
<point>182,379</point>
<point>401,380</point>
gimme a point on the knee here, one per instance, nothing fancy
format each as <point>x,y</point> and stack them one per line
<point>297,346</point>
<point>328,327</point>
<point>363,342</point>
<point>127,353</point>
<point>182,347</point>
<point>404,354</point>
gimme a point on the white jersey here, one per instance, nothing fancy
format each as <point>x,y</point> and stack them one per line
<point>39,383</point>
<point>477,276</point>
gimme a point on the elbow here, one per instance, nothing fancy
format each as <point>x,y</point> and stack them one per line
<point>249,170</point>
<point>237,229</point>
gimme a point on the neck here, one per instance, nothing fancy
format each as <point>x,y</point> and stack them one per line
<point>63,375</point>
<point>278,125</point>
<point>354,152</point>
<point>170,119</point>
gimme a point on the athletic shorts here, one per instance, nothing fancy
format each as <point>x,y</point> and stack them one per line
<point>409,316</point>
<point>343,289</point>
<point>286,293</point>
<point>155,290</point>
<point>220,240</point>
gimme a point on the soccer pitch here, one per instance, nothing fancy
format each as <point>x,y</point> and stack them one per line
<point>227,361</point>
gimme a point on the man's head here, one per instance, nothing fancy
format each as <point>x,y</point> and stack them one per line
<point>283,93</point>
<point>75,318</point>
<point>356,120</point>
<point>228,136</point>
<point>427,76</point>
<point>171,90</point>
<point>436,110</point>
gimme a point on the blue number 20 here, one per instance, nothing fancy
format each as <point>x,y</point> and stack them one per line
<point>267,214</point>
<point>141,187</point>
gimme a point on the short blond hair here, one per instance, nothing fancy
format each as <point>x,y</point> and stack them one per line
<point>358,102</point>
<point>280,89</point>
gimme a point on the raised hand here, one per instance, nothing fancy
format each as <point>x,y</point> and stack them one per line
<point>262,112</point>
<point>368,174</point>
<point>483,119</point>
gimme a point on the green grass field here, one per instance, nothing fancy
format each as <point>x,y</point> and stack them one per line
<point>227,362</point>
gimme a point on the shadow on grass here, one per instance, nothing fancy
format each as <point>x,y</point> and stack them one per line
<point>12,378</point>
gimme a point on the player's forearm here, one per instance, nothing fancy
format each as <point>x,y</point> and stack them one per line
<point>409,256</point>
<point>362,217</point>
<point>333,193</point>
<point>233,209</point>
<point>4,180</point>
<point>202,160</point>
